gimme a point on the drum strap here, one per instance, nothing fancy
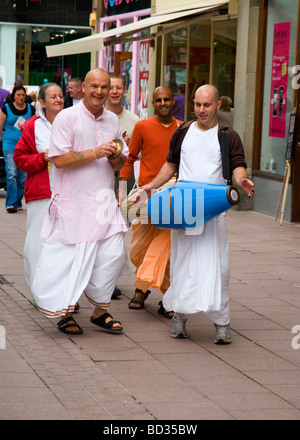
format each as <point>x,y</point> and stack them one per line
<point>225,157</point>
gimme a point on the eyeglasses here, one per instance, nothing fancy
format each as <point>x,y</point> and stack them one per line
<point>159,100</point>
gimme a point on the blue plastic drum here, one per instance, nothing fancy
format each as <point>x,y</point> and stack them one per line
<point>187,204</point>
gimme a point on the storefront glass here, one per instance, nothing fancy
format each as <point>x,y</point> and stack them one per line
<point>199,61</point>
<point>33,67</point>
<point>188,67</point>
<point>175,68</point>
<point>278,100</point>
<point>192,51</point>
<point>223,59</point>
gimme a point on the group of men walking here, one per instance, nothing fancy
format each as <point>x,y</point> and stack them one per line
<point>83,230</point>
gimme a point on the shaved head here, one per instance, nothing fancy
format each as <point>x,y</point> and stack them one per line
<point>208,88</point>
<point>206,105</point>
<point>163,89</point>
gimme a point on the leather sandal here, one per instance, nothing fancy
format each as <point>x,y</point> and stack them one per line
<point>141,302</point>
<point>162,311</point>
<point>68,322</point>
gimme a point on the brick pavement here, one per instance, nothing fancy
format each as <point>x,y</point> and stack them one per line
<point>143,374</point>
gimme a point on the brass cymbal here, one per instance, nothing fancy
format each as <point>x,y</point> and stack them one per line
<point>119,149</point>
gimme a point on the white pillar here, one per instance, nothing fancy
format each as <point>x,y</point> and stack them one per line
<point>8,41</point>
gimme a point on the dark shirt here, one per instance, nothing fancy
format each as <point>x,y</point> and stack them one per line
<point>68,101</point>
<point>178,107</point>
<point>235,146</point>
<point>17,112</point>
<point>3,94</point>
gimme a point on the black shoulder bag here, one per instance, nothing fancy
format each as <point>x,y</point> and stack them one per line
<point>225,156</point>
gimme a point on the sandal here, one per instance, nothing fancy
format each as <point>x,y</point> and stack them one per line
<point>101,322</point>
<point>66,323</point>
<point>162,311</point>
<point>77,307</point>
<point>141,302</point>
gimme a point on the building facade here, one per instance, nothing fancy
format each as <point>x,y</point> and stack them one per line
<point>276,161</point>
<point>27,26</point>
<point>247,48</point>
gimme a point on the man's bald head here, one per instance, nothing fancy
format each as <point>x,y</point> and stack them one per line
<point>206,105</point>
<point>209,88</point>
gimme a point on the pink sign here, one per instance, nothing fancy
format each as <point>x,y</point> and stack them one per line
<point>279,79</point>
<point>143,80</point>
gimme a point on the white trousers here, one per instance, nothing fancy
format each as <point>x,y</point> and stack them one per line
<point>65,271</point>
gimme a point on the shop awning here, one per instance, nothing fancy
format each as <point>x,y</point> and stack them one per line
<point>95,42</point>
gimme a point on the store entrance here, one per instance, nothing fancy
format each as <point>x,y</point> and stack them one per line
<point>119,57</point>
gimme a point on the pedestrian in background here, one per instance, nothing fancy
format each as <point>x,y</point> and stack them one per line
<point>12,117</point>
<point>3,93</point>
<point>179,105</point>
<point>75,93</point>
<point>127,121</point>
<point>226,112</point>
<point>9,98</point>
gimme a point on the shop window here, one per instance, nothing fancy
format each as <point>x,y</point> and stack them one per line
<point>175,68</point>
<point>175,64</point>
<point>224,54</point>
<point>278,97</point>
<point>199,62</point>
<point>121,63</point>
<point>42,69</point>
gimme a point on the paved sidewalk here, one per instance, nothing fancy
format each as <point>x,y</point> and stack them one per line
<point>144,374</point>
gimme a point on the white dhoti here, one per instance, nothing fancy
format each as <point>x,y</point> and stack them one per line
<point>199,264</point>
<point>33,244</point>
<point>200,272</point>
<point>65,271</point>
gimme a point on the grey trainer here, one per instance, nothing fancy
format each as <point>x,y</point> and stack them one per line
<point>222,335</point>
<point>178,326</point>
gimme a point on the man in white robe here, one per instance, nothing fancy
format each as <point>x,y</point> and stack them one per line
<point>83,230</point>
<point>200,263</point>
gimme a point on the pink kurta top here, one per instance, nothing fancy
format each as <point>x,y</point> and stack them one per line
<point>84,205</point>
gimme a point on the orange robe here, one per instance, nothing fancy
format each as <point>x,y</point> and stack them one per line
<point>150,246</point>
<point>150,253</point>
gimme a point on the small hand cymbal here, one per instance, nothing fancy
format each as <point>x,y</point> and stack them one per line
<point>119,149</point>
